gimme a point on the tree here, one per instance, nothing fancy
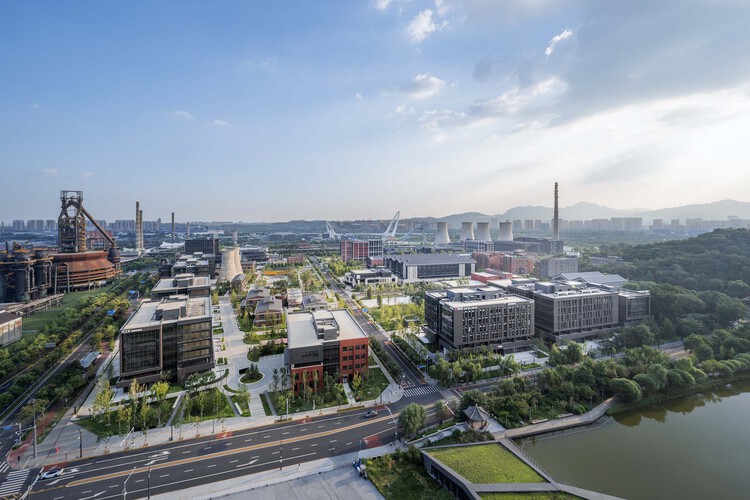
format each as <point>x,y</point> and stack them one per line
<point>243,397</point>
<point>356,382</point>
<point>133,391</point>
<point>625,388</point>
<point>159,391</point>
<point>275,380</point>
<point>412,418</point>
<point>380,300</point>
<point>103,399</point>
<point>124,415</point>
<point>441,410</point>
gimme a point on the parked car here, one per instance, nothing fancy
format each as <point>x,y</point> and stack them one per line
<point>51,473</point>
<point>371,413</point>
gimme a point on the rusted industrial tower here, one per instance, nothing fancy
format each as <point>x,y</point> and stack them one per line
<point>71,224</point>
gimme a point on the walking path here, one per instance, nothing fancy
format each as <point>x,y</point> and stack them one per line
<point>560,423</point>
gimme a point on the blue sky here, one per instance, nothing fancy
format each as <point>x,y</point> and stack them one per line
<point>340,110</point>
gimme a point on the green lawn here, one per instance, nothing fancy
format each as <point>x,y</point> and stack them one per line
<point>490,463</point>
<point>405,479</point>
<point>266,407</point>
<point>373,386</point>
<point>556,495</point>
<point>244,409</point>
<point>70,300</point>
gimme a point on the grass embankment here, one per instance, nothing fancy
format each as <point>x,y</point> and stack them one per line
<point>686,391</point>
<point>489,463</point>
<point>69,301</point>
<point>244,410</point>
<point>266,406</point>
<point>104,427</point>
<point>375,384</point>
<point>402,478</point>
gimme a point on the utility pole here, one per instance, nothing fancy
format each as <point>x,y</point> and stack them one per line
<point>281,453</point>
<point>80,444</point>
<point>149,482</point>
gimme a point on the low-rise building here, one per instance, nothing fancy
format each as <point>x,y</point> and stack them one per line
<point>199,264</point>
<point>268,311</point>
<point>314,302</point>
<point>634,306</point>
<point>478,246</point>
<point>172,336</point>
<point>367,277</point>
<point>182,284</point>
<point>430,267</point>
<point>554,266</point>
<point>467,318</point>
<point>11,328</point>
<point>324,342</point>
<point>294,297</point>
<point>254,295</point>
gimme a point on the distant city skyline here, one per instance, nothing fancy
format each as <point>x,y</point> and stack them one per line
<point>273,112</point>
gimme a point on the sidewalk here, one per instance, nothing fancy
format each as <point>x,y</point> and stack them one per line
<point>559,423</point>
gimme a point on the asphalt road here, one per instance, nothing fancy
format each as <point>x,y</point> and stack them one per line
<point>411,375</point>
<point>183,464</point>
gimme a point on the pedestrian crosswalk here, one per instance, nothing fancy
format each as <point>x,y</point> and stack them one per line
<point>13,482</point>
<point>412,392</point>
<point>4,467</point>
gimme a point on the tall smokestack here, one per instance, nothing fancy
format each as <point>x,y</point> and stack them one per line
<point>188,230</point>
<point>141,248</point>
<point>172,227</point>
<point>556,220</point>
<point>137,226</point>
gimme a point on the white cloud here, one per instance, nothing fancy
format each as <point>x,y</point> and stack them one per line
<point>404,110</point>
<point>219,123</point>
<point>182,114</point>
<point>35,106</point>
<point>518,103</point>
<point>381,5</point>
<point>555,40</point>
<point>520,99</point>
<point>86,174</point>
<point>442,7</point>
<point>51,171</point>
<point>422,25</point>
<point>422,86</point>
<point>358,96</point>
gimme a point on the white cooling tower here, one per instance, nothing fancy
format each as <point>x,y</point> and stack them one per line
<point>442,237</point>
<point>237,260</point>
<point>506,231</point>
<point>228,265</point>
<point>483,231</point>
<point>467,231</point>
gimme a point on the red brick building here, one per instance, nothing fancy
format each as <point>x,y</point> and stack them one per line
<point>324,342</point>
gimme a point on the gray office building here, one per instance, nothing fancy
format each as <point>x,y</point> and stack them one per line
<point>430,267</point>
<point>170,336</point>
<point>467,318</point>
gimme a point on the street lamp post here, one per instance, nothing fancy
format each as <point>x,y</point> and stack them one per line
<point>33,407</point>
<point>281,453</point>
<point>148,494</point>
<point>125,485</point>
<point>80,444</point>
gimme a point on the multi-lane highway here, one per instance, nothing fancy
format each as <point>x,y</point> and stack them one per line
<point>183,464</point>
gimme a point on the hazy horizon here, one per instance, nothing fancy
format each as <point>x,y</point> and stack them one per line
<point>276,112</point>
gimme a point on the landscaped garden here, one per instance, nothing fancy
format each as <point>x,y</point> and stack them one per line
<point>402,475</point>
<point>483,464</point>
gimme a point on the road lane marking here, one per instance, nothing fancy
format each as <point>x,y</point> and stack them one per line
<point>314,444</point>
<point>224,453</point>
<point>350,442</point>
<point>164,475</point>
<point>211,465</point>
<point>186,451</point>
<point>137,481</point>
<point>266,437</point>
<point>275,453</point>
<point>295,449</point>
<point>248,440</point>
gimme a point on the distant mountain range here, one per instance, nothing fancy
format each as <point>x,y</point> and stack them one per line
<point>717,210</point>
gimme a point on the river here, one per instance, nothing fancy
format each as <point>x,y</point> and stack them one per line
<point>693,447</point>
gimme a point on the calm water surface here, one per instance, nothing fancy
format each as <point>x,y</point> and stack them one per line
<point>693,447</point>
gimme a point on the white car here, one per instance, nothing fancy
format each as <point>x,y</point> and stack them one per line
<point>52,473</point>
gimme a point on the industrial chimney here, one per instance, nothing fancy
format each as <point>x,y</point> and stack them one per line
<point>483,231</point>
<point>556,219</point>
<point>442,237</point>
<point>467,231</point>
<point>172,227</point>
<point>506,231</point>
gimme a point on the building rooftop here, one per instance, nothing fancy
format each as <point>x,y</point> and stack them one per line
<point>177,308</point>
<point>508,299</point>
<point>306,328</point>
<point>6,317</point>
<point>594,277</point>
<point>182,280</point>
<point>433,259</point>
<point>269,305</point>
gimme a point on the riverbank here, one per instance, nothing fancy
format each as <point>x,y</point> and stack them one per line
<point>621,407</point>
